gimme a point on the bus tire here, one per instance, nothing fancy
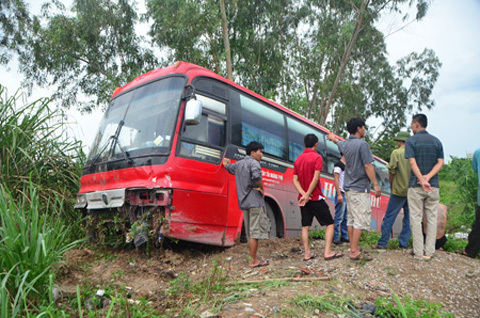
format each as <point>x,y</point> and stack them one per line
<point>243,234</point>
<point>273,221</point>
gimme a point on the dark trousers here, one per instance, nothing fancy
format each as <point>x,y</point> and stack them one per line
<point>473,246</point>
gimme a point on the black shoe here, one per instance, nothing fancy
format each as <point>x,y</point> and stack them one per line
<point>337,242</point>
<point>345,240</point>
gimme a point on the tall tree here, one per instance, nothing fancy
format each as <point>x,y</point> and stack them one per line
<point>341,60</point>
<point>257,32</point>
<point>14,16</point>
<point>88,52</point>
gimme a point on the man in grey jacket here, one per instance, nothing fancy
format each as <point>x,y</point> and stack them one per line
<point>250,194</point>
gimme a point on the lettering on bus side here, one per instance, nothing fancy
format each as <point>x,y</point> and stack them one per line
<point>329,190</point>
<point>375,202</point>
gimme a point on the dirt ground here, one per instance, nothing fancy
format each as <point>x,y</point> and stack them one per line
<point>449,279</point>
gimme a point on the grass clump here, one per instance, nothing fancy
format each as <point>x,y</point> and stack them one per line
<point>32,243</point>
<point>326,303</point>
<point>34,150</point>
<point>395,307</point>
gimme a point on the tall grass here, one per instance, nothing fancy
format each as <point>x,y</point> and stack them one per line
<point>34,149</point>
<point>32,242</point>
<point>40,169</point>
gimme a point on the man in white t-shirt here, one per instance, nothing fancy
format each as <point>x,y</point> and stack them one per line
<point>340,232</point>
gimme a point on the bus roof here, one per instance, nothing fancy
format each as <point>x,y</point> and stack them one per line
<point>193,70</point>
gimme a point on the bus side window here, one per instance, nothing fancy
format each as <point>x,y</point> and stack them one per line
<point>262,124</point>
<point>205,140</point>
<point>296,134</point>
<point>332,156</point>
<point>381,173</point>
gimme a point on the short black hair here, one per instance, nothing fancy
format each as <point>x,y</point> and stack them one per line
<point>353,124</point>
<point>253,146</point>
<point>421,119</point>
<point>310,140</point>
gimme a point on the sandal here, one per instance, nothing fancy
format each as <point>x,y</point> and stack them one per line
<point>311,257</point>
<point>462,252</point>
<point>361,257</point>
<point>336,255</point>
<point>260,264</point>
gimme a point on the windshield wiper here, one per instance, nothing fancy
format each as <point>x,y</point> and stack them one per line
<point>113,137</point>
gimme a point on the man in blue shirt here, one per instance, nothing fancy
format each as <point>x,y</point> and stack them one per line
<point>359,172</point>
<point>473,246</point>
<point>250,195</point>
<point>425,154</point>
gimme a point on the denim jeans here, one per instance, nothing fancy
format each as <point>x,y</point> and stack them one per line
<point>393,208</point>
<point>340,219</point>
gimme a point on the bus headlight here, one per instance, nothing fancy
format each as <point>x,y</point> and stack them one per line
<point>81,201</point>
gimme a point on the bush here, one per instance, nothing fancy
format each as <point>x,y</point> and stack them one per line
<point>458,191</point>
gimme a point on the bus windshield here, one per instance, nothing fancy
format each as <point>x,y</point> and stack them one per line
<point>149,115</point>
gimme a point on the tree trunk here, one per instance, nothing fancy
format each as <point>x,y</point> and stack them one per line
<point>226,41</point>
<point>346,56</point>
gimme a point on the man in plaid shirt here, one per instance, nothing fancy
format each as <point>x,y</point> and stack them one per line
<point>425,154</point>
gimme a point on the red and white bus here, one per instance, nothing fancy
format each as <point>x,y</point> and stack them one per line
<point>152,156</point>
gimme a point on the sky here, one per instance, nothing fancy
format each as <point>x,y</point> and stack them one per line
<point>450,28</point>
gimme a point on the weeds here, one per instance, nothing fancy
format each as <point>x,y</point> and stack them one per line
<point>408,308</point>
<point>31,245</point>
<point>329,302</point>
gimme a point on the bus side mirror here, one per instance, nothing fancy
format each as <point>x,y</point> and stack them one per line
<point>193,112</point>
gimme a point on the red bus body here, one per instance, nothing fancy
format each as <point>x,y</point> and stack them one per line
<point>197,198</point>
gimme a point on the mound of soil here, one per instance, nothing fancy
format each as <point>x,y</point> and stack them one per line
<point>449,279</point>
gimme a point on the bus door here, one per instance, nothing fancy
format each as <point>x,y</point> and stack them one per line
<point>200,198</point>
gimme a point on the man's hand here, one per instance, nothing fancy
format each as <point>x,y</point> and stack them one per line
<point>425,185</point>
<point>261,191</point>
<point>332,137</point>
<point>226,162</point>
<point>378,191</point>
<point>340,198</point>
<point>303,200</point>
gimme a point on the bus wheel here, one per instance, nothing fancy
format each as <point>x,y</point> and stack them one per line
<point>273,221</point>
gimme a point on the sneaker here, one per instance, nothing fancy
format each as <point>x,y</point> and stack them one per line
<point>345,240</point>
<point>337,242</point>
<point>403,247</point>
<point>378,248</point>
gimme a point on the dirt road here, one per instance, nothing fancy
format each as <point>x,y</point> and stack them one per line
<point>449,279</point>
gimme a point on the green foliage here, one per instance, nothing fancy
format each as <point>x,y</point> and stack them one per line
<point>327,303</point>
<point>317,233</point>
<point>33,149</point>
<point>458,191</point>
<point>116,302</point>
<point>32,244</point>
<point>324,59</point>
<point>89,50</point>
<point>383,148</point>
<point>369,238</point>
<point>452,245</point>
<point>13,17</point>
<point>259,33</point>
<point>408,308</point>
<point>214,283</point>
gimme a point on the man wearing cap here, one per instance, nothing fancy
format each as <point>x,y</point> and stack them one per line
<point>399,175</point>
